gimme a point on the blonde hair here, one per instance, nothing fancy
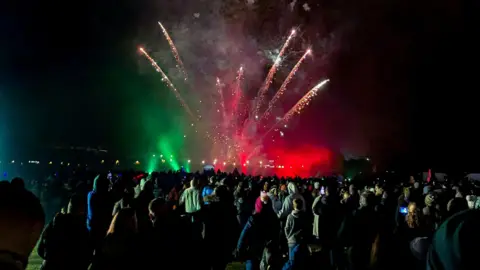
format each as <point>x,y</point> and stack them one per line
<point>125,221</point>
<point>413,216</point>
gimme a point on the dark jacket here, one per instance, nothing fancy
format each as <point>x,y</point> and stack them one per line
<point>260,229</point>
<point>118,252</point>
<point>64,243</point>
<point>99,206</point>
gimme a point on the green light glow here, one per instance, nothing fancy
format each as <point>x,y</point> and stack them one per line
<point>166,147</point>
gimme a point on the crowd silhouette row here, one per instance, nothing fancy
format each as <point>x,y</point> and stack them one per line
<point>208,220</point>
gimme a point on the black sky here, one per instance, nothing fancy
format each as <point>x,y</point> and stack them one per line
<point>403,73</point>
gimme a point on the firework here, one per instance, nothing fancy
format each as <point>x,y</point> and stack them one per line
<point>300,105</point>
<point>169,83</point>
<point>271,73</point>
<point>304,101</point>
<point>180,65</point>
<point>236,134</point>
<point>222,100</point>
<point>285,83</point>
<point>237,94</point>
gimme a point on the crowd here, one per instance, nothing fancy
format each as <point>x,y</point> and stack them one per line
<point>207,220</point>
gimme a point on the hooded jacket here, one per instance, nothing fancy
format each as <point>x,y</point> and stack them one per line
<point>287,206</point>
<point>99,205</point>
<point>453,245</point>
<point>296,227</point>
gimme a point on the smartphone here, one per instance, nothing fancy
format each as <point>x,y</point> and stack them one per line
<point>322,191</point>
<point>403,210</point>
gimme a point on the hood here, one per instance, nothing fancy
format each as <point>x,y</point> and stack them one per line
<point>298,213</point>
<point>292,188</point>
<point>452,243</point>
<point>142,183</point>
<point>100,184</point>
<point>471,199</point>
<point>419,248</point>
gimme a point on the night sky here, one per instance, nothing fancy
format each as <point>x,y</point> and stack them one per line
<point>402,73</point>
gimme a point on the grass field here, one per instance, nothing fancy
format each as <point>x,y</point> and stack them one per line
<point>35,262</point>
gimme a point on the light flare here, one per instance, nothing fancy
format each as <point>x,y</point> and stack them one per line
<point>271,73</point>
<point>285,83</point>
<point>299,106</point>
<point>169,83</point>
<point>174,50</point>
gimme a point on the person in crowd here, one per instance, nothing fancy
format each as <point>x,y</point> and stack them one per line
<point>165,237</point>
<point>386,210</point>
<point>141,206</point>
<point>64,242</point>
<point>287,206</point>
<point>360,231</point>
<point>21,222</point>
<point>415,223</point>
<point>452,246</point>
<point>120,248</point>
<point>99,212</point>
<point>416,194</point>
<point>191,198</point>
<point>431,214</point>
<point>345,197</point>
<point>297,226</point>
<point>261,228</point>
<point>316,189</point>
<point>208,189</point>
<point>271,258</point>
<point>353,198</point>
<point>220,227</point>
<point>419,248</point>
<point>297,258</point>
<point>126,200</point>
<point>18,182</point>
<point>276,202</point>
<point>283,191</point>
<point>174,194</point>
<point>326,218</point>
<point>403,201</point>
<point>365,220</point>
<point>243,208</point>
<point>79,196</point>
<point>456,205</point>
<point>471,199</point>
<point>138,188</point>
